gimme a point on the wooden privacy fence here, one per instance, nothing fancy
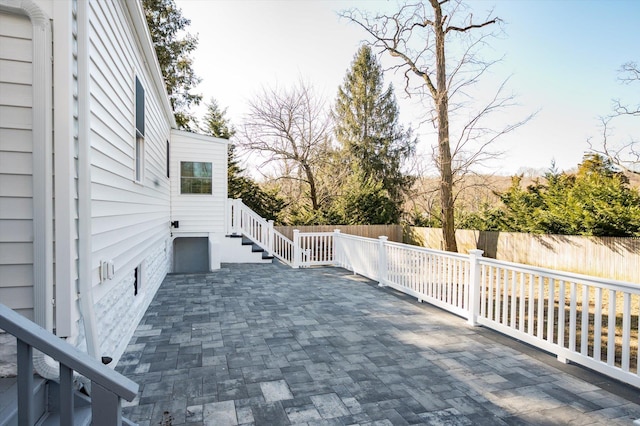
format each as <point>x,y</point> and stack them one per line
<point>608,257</point>
<point>393,232</point>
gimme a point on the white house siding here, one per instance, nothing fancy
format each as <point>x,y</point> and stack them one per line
<point>16,164</point>
<point>198,213</point>
<point>130,221</point>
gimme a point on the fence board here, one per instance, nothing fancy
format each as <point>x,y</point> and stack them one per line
<point>608,257</point>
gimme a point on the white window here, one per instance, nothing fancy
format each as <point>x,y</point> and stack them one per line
<point>195,178</point>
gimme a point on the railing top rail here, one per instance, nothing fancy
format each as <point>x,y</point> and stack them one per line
<point>66,354</point>
<point>357,237</point>
<point>443,253</point>
<point>316,234</point>
<point>566,276</point>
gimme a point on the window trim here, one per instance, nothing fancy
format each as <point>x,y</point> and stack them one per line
<point>196,177</point>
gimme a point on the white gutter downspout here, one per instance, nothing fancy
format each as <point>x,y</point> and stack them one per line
<point>84,185</point>
<point>42,133</point>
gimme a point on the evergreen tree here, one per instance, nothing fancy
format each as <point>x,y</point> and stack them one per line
<point>365,202</point>
<point>367,127</point>
<point>216,122</point>
<point>173,46</point>
<point>596,200</point>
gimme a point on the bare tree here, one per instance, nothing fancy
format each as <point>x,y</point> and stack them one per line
<point>625,155</point>
<point>291,128</point>
<point>417,35</point>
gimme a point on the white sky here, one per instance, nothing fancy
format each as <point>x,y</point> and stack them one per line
<point>563,56</point>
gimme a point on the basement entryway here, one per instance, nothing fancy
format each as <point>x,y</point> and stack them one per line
<point>191,255</point>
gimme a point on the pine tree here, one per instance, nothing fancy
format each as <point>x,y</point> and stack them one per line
<point>216,122</point>
<point>368,129</point>
<point>173,46</point>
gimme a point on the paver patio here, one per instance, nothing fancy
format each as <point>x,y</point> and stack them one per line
<point>270,345</point>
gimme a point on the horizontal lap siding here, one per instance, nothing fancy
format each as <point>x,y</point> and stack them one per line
<point>199,213</point>
<point>128,218</point>
<point>16,164</point>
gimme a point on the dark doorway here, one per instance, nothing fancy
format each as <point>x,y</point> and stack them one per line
<point>191,255</point>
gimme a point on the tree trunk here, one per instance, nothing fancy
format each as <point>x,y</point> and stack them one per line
<point>313,193</point>
<point>444,149</point>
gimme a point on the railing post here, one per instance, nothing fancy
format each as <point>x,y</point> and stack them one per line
<point>227,218</point>
<point>474,286</point>
<point>382,261</point>
<point>337,255</point>
<point>297,250</point>
<point>270,242</point>
<point>106,408</point>
<point>237,216</point>
<point>25,384</point>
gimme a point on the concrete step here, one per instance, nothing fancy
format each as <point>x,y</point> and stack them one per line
<point>240,249</point>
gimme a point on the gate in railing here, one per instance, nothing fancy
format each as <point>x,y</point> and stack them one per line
<point>587,320</point>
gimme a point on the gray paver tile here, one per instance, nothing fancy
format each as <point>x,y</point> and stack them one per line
<point>275,391</point>
<point>330,405</point>
<point>220,414</point>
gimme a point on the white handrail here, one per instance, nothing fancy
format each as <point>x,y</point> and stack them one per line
<point>244,221</point>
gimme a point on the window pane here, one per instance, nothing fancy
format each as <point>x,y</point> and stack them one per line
<point>196,177</point>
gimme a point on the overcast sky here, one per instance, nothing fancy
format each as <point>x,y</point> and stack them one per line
<point>562,56</point>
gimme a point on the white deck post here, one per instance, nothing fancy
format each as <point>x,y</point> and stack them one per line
<point>474,286</point>
<point>237,216</point>
<point>297,251</point>
<point>229,219</point>
<point>382,261</point>
<point>270,238</point>
<point>337,256</point>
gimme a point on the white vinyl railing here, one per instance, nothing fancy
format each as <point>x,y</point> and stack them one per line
<point>244,221</point>
<point>586,320</point>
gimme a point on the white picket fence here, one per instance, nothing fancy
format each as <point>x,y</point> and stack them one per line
<point>586,320</point>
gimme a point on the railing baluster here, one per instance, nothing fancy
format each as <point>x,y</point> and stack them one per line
<point>25,384</point>
<point>626,330</point>
<point>551,306</point>
<point>597,326</point>
<point>540,315</point>
<point>611,329</point>
<point>573,310</point>
<point>531,304</point>
<point>491,300</point>
<point>584,326</point>
<point>521,297</point>
<point>514,298</point>
<point>66,395</point>
<point>561,319</point>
